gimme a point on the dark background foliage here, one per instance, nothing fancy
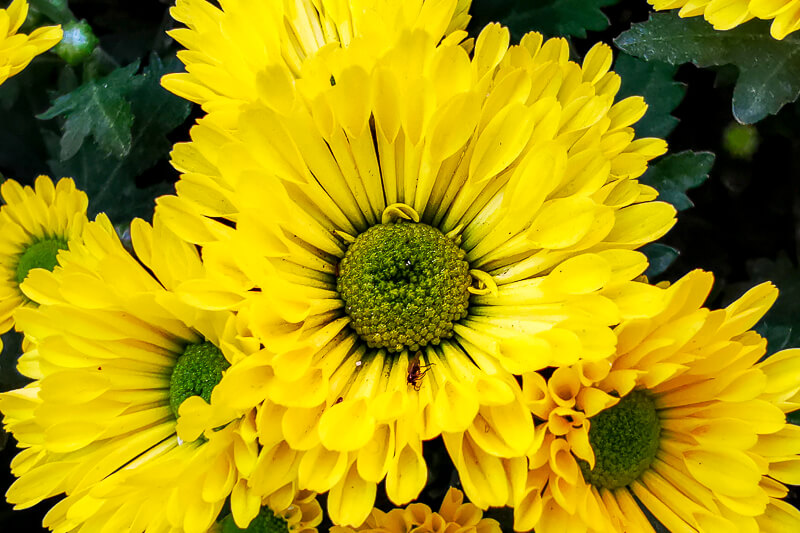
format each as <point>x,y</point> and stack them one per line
<point>105,121</point>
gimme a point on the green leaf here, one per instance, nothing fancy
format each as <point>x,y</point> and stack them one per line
<point>56,10</point>
<point>111,182</point>
<point>99,108</point>
<point>674,174</point>
<point>654,81</point>
<point>769,70</point>
<point>660,257</point>
<point>557,17</point>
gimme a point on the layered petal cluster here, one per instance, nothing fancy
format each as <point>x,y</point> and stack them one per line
<point>18,49</point>
<point>99,422</point>
<point>244,50</point>
<point>722,449</point>
<point>302,514</point>
<point>35,223</point>
<point>727,14</point>
<point>518,156</point>
<point>453,515</point>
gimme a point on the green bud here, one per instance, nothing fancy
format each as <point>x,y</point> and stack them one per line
<point>740,140</point>
<point>78,43</point>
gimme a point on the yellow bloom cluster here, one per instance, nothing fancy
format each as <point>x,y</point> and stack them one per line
<point>727,14</point>
<point>453,515</point>
<point>384,233</point>
<point>18,49</point>
<point>516,155</point>
<point>721,447</point>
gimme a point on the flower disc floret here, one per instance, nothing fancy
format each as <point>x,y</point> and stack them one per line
<point>41,254</point>
<point>625,440</point>
<point>197,371</point>
<point>404,285</point>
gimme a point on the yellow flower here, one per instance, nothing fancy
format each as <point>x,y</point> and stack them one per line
<point>118,361</point>
<point>685,417</point>
<point>407,232</point>
<point>18,49</point>
<point>299,515</point>
<point>727,14</point>
<point>250,47</point>
<point>453,515</point>
<point>35,224</point>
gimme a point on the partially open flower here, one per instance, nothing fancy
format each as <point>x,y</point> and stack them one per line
<point>301,514</point>
<point>453,515</point>
<point>250,49</point>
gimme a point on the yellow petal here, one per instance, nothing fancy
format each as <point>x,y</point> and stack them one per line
<point>562,222</point>
<point>582,274</point>
<point>350,501</point>
<point>245,504</point>
<point>728,472</point>
<point>407,475</point>
<point>346,426</point>
<point>454,407</point>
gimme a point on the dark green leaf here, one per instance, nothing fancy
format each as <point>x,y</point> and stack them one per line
<point>98,107</point>
<point>76,128</point>
<point>660,257</point>
<point>10,378</point>
<point>22,150</point>
<point>111,182</point>
<point>674,174</point>
<point>56,10</point>
<point>769,70</point>
<point>654,81</point>
<point>558,17</point>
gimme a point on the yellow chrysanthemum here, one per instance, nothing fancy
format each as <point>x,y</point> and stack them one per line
<point>299,515</point>
<point>249,49</point>
<point>727,14</point>
<point>35,224</point>
<point>18,49</point>
<point>117,360</point>
<point>405,233</point>
<point>453,515</point>
<point>685,418</point>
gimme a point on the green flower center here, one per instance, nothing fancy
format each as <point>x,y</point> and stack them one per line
<point>625,440</point>
<point>197,372</point>
<point>41,254</point>
<point>265,522</point>
<point>404,285</point>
